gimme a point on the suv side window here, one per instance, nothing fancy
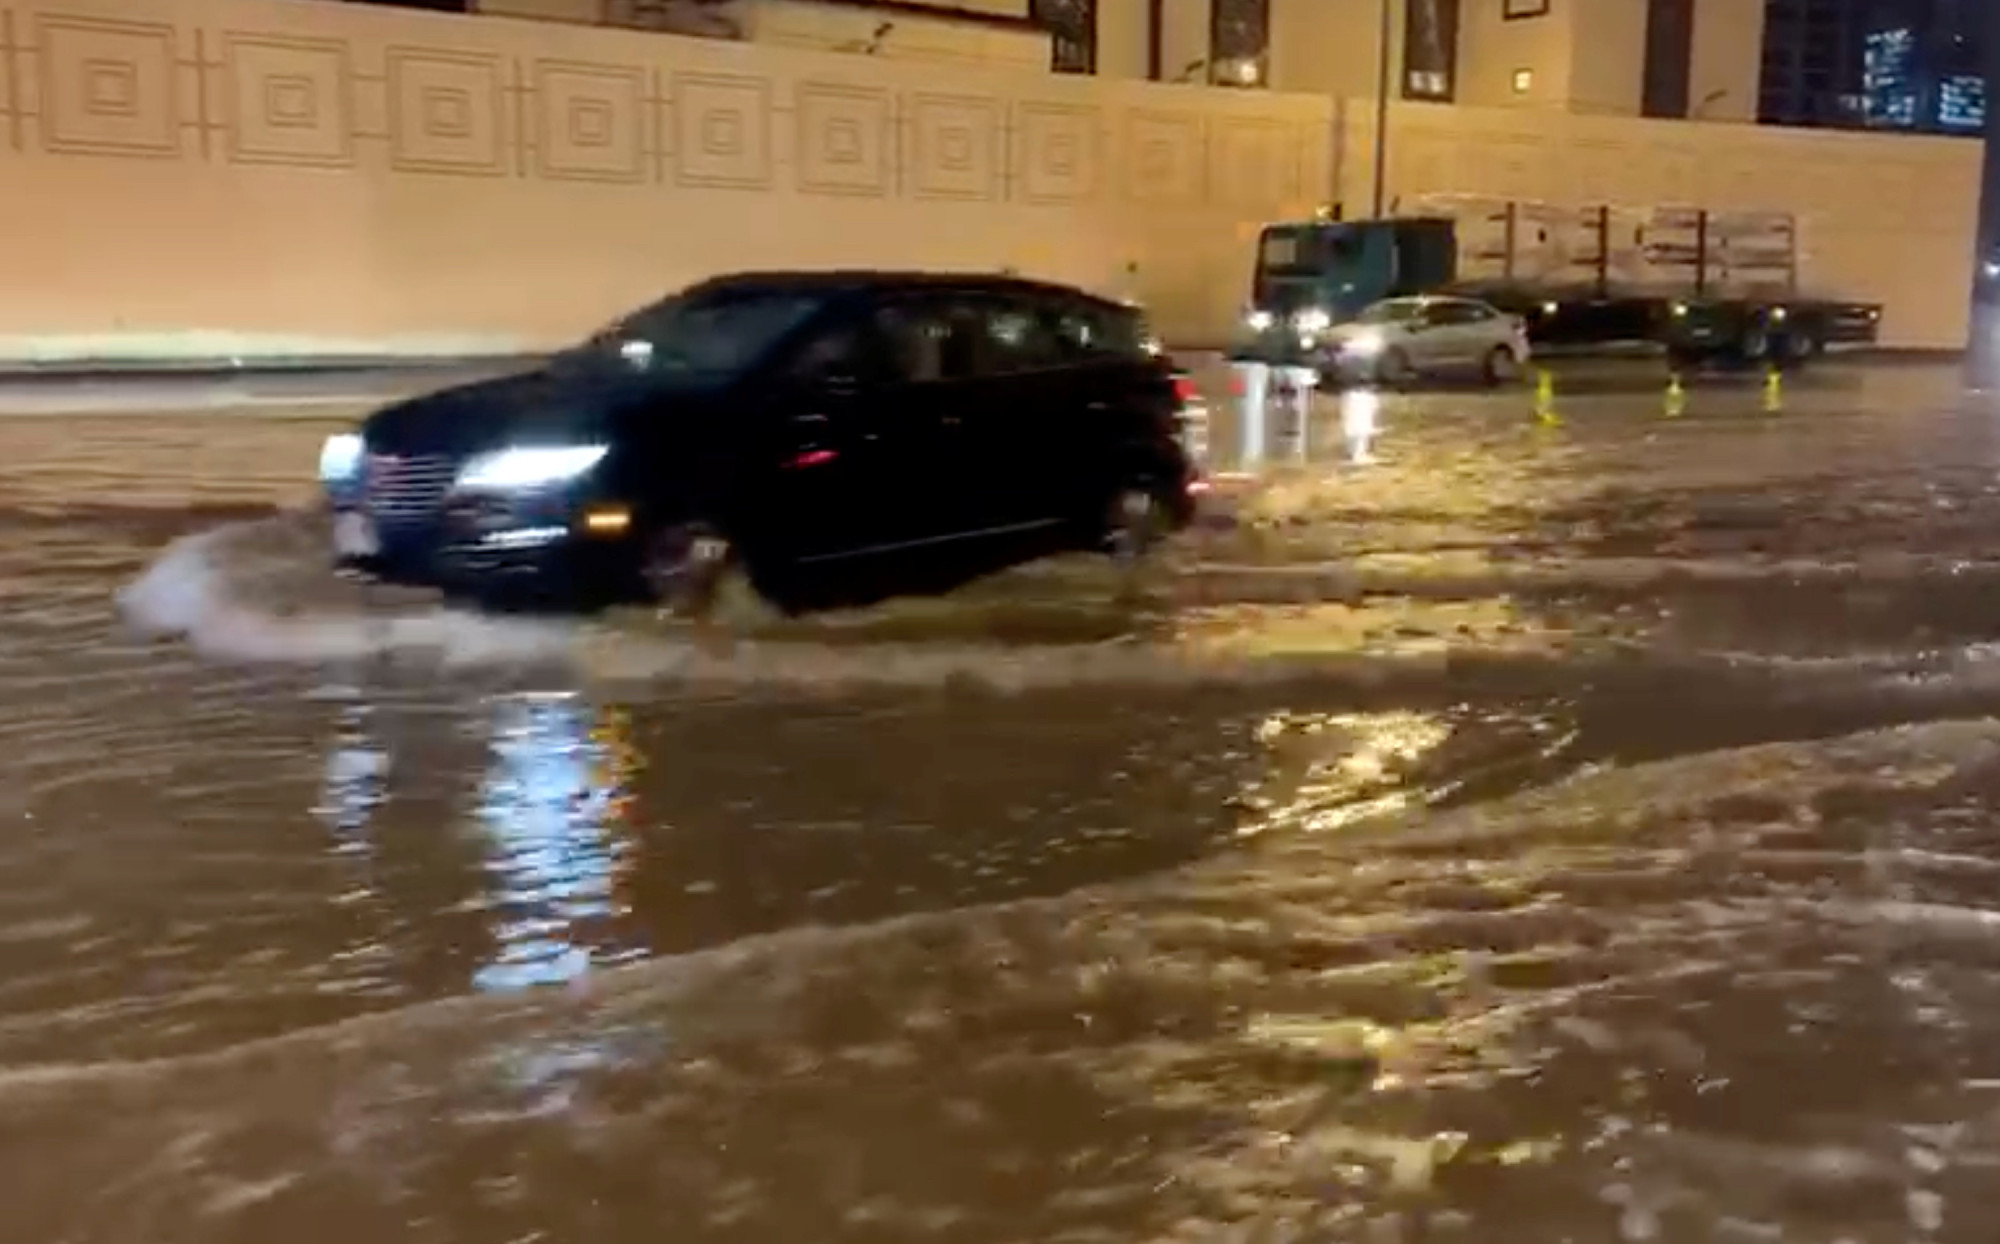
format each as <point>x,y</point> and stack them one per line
<point>1091,331</point>
<point>1019,338</point>
<point>964,338</point>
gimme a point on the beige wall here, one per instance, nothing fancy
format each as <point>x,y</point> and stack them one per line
<point>1728,60</point>
<point>296,175</point>
<point>346,174</point>
<point>1491,48</point>
<point>1332,48</point>
<point>850,28</point>
<point>1607,54</point>
<point>1122,41</point>
<point>1184,28</point>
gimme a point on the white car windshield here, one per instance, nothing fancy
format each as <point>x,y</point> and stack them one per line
<point>1392,313</point>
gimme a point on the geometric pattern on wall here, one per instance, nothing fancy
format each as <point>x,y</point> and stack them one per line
<point>843,139</point>
<point>1060,157</point>
<point>954,146</point>
<point>722,131</point>
<point>590,122</point>
<point>1165,157</point>
<point>288,100</point>
<point>12,122</point>
<point>446,112</point>
<point>1256,162</point>
<point>108,87</point>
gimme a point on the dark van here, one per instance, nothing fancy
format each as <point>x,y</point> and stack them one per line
<point>834,437</point>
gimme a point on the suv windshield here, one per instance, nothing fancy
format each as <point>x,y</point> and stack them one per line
<point>708,335</point>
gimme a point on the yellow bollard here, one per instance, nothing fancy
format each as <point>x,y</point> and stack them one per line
<point>1677,398</point>
<point>1545,397</point>
<point>1774,391</point>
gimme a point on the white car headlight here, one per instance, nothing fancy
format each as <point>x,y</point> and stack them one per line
<point>1364,344</point>
<point>1314,321</point>
<point>340,458</point>
<point>529,467</point>
<point>1259,321</point>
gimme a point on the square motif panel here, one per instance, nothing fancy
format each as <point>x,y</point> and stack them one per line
<point>1256,164</point>
<point>591,122</point>
<point>1061,152</point>
<point>288,100</point>
<point>108,87</point>
<point>1165,157</point>
<point>12,120</point>
<point>844,139</point>
<point>446,113</point>
<point>954,147</point>
<point>722,131</point>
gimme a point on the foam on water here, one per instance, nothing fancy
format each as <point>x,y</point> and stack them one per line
<point>1550,1017</point>
<point>260,591</point>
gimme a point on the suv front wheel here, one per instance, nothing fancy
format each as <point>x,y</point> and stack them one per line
<point>685,566</point>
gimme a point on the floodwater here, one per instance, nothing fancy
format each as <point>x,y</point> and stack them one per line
<point>1499,823</point>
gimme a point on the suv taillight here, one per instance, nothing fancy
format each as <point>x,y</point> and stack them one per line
<point>1184,391</point>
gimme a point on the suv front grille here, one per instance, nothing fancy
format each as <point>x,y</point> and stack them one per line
<point>407,489</point>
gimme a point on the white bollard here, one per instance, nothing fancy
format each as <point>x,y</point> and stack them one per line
<point>1253,382</point>
<point>1295,433</point>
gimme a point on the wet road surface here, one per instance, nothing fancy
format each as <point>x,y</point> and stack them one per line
<point>1510,824</point>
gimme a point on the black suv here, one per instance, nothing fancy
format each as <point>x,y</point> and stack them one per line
<point>836,437</point>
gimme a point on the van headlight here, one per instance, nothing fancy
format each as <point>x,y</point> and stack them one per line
<point>340,458</point>
<point>1314,321</point>
<point>535,467</point>
<point>1259,321</point>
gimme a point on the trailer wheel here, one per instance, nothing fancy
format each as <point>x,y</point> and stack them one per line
<point>1755,344</point>
<point>1800,347</point>
<point>1502,367</point>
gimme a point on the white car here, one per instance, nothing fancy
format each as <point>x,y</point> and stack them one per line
<point>1400,340</point>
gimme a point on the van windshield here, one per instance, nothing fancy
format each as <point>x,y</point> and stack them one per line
<point>704,334</point>
<point>1307,250</point>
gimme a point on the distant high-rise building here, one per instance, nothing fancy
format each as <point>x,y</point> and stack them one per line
<point>1885,64</point>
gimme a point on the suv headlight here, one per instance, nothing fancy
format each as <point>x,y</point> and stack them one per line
<point>529,467</point>
<point>340,458</point>
<point>1314,321</point>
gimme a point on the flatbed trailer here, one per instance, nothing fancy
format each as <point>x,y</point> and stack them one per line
<point>1767,323</point>
<point>1701,287</point>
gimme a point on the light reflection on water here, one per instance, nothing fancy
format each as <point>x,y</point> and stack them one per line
<point>553,804</point>
<point>1329,770</point>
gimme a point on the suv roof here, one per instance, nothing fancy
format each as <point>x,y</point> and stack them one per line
<point>869,280</point>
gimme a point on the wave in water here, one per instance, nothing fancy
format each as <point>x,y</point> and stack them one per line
<point>1743,995</point>
<point>260,591</point>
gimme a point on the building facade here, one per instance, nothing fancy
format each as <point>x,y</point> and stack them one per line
<point>1693,59</point>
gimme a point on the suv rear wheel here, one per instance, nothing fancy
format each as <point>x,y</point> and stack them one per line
<point>1135,525</point>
